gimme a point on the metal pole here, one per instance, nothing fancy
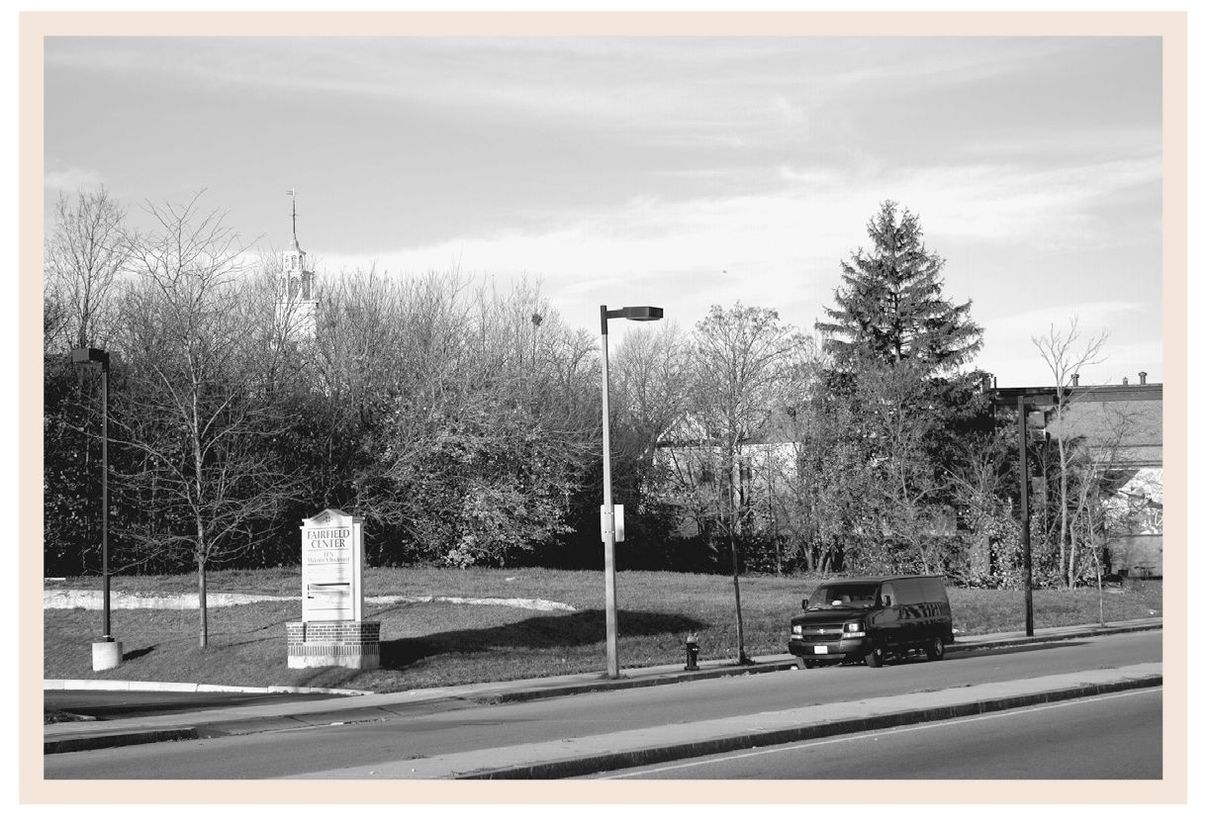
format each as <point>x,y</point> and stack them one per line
<point>609,529</point>
<point>1025,542</point>
<point>105,490</point>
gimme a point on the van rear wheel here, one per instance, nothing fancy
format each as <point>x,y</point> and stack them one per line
<point>875,657</point>
<point>935,649</point>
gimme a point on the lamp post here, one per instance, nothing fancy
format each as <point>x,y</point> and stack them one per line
<point>1024,400</point>
<point>643,313</point>
<point>106,653</point>
<point>1026,543</point>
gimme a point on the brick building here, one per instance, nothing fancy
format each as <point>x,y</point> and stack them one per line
<point>1119,428</point>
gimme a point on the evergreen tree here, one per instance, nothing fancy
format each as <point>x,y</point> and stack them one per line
<point>889,307</point>
<point>897,347</point>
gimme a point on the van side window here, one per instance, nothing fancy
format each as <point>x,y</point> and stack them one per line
<point>908,591</point>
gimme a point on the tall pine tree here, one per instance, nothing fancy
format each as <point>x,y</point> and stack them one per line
<point>889,306</point>
<point>897,348</point>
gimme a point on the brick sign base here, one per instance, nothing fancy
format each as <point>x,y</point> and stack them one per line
<point>352,644</point>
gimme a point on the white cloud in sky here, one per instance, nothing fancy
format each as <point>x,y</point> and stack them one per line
<point>784,247</point>
<point>1008,344</point>
<point>69,179</point>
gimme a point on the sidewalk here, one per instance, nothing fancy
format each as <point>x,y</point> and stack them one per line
<point>210,722</point>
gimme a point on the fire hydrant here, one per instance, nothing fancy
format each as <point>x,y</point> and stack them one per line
<point>690,652</point>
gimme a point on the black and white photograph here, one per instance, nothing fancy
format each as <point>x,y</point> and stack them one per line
<point>607,402</point>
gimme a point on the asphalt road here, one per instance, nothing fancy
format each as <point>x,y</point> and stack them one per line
<point>460,728</point>
<point>1116,736</point>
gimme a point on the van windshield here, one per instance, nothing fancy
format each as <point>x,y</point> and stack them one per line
<point>828,596</point>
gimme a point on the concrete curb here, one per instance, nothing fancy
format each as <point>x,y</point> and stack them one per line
<point>627,682</point>
<point>187,687</point>
<point>601,763</point>
<point>110,740</point>
<point>1062,635</point>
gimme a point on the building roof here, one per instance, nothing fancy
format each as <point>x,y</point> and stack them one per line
<point>1126,419</point>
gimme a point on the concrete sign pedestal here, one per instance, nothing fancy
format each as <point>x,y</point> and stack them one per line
<point>333,632</point>
<point>106,655</point>
<point>352,644</point>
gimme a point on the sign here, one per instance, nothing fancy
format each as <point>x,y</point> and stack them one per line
<point>332,555</point>
<point>618,523</point>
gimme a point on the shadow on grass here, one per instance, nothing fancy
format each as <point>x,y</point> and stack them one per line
<point>571,630</point>
<point>131,655</point>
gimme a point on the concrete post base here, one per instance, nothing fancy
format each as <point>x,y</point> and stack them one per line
<point>106,655</point>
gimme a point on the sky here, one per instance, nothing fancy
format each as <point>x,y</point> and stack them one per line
<point>678,172</point>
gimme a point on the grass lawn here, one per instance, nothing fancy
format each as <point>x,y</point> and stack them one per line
<point>437,644</point>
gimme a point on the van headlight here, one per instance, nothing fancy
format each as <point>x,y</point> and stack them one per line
<point>797,629</point>
<point>853,629</point>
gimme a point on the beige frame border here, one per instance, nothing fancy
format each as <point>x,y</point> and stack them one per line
<point>1170,26</point>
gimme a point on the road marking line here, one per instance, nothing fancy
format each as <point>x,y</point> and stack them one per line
<point>884,732</point>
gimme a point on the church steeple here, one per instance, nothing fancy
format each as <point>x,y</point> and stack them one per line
<point>297,305</point>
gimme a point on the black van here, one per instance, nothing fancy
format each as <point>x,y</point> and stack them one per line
<point>872,619</point>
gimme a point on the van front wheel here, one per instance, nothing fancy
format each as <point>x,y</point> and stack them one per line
<point>935,649</point>
<point>875,657</point>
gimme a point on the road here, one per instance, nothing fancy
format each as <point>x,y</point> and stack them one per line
<point>462,727</point>
<point>1116,736</point>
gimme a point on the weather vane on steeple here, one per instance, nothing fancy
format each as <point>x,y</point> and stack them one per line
<point>293,194</point>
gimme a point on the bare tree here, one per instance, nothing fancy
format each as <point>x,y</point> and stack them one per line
<point>649,376</point>
<point>650,372</point>
<point>741,362</point>
<point>1096,464</point>
<point>190,408</point>
<point>85,252</point>
<point>1066,354</point>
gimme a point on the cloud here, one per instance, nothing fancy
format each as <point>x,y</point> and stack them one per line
<point>70,179</point>
<point>782,245</point>
<point>1008,350</point>
<point>1091,318</point>
<point>1057,208</point>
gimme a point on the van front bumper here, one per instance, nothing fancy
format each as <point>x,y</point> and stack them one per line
<point>833,650</point>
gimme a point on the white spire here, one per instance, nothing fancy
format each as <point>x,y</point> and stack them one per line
<point>296,302</point>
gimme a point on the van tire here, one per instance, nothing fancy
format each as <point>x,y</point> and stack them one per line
<point>875,657</point>
<point>935,649</point>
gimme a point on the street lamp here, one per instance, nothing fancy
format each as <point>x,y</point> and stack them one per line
<point>106,653</point>
<point>643,313</point>
<point>1025,399</point>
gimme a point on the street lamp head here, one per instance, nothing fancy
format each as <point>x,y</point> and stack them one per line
<point>645,313</point>
<point>639,313</point>
<point>636,313</point>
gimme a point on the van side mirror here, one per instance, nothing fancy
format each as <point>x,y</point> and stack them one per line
<point>805,601</point>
